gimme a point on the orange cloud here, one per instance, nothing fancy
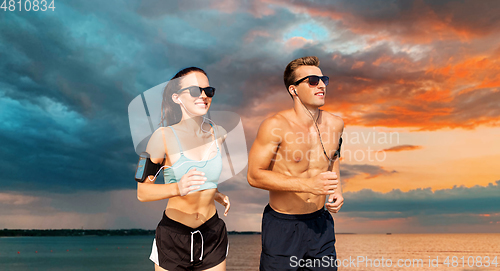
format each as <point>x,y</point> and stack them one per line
<point>479,71</point>
<point>358,64</point>
<point>402,148</point>
<point>450,82</point>
<point>433,95</point>
<point>396,91</point>
<point>250,36</point>
<point>296,42</point>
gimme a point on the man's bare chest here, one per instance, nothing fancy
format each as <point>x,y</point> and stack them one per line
<point>304,147</point>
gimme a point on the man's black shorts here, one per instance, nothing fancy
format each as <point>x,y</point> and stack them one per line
<point>179,247</point>
<point>297,242</point>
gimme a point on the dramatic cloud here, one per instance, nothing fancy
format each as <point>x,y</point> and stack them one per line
<point>348,171</point>
<point>408,21</point>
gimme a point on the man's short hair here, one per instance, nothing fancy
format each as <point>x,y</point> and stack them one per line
<point>289,74</point>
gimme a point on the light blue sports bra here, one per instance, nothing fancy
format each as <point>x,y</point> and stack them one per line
<point>211,167</point>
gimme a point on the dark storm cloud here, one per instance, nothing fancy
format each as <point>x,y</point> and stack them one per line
<point>397,204</point>
<point>92,62</point>
<point>371,171</point>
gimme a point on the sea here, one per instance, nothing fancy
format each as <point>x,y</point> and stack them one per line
<point>354,252</point>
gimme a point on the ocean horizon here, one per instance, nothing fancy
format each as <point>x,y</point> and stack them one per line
<point>443,251</point>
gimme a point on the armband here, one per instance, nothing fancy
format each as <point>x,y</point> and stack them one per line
<point>145,167</point>
<point>337,153</point>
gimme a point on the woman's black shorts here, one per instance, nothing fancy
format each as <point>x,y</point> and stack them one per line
<point>179,247</point>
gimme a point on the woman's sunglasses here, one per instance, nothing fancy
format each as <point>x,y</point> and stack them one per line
<point>195,91</point>
<point>314,80</point>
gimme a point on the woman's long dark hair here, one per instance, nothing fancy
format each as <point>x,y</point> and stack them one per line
<point>171,112</point>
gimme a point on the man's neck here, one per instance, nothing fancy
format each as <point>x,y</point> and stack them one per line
<point>304,112</point>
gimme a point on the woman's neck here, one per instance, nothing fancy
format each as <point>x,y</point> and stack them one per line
<point>192,124</point>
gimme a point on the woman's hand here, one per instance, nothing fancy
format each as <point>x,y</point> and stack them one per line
<point>192,180</point>
<point>223,200</point>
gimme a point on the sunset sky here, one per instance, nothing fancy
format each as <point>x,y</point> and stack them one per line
<point>417,83</point>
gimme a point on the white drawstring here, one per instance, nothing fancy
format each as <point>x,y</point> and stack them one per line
<point>192,234</point>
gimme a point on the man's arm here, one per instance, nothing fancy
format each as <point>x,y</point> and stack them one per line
<point>261,154</point>
<point>336,200</point>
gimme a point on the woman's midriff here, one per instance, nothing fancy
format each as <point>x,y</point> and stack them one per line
<point>193,209</point>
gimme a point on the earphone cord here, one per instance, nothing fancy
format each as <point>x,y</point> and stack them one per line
<point>319,133</point>
<point>204,118</point>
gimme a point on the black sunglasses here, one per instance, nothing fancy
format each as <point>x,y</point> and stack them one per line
<point>196,91</point>
<point>314,80</point>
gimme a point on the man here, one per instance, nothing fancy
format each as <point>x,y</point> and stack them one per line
<point>295,157</point>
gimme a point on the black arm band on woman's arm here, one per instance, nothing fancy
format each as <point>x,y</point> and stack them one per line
<point>145,167</point>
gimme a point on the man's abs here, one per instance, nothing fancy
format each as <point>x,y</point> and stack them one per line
<point>298,202</point>
<point>295,203</point>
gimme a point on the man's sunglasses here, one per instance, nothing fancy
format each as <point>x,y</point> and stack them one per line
<point>195,91</point>
<point>314,80</point>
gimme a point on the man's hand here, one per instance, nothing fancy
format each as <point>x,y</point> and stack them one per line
<point>323,184</point>
<point>334,202</point>
<point>223,200</point>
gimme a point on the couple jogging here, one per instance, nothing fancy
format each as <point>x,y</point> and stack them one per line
<point>294,157</point>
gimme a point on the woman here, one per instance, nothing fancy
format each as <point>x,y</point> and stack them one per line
<point>190,234</point>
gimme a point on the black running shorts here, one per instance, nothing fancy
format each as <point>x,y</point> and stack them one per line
<point>297,242</point>
<point>179,247</point>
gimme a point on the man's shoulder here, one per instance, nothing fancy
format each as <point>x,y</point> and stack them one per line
<point>274,126</point>
<point>332,119</point>
<point>277,120</point>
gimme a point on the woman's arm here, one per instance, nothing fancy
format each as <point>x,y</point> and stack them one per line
<point>149,191</point>
<point>223,200</point>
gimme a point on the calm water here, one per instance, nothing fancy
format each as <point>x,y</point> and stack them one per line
<point>132,253</point>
